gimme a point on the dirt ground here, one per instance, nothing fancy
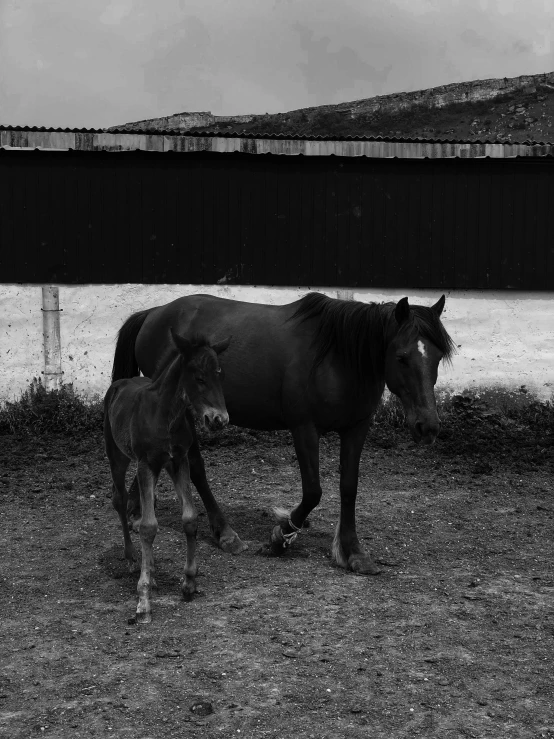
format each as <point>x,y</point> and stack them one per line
<point>455,638</point>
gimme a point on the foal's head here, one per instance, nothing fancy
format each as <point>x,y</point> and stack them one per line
<point>415,348</point>
<point>201,379</point>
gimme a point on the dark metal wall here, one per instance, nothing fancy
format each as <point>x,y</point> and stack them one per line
<point>96,217</point>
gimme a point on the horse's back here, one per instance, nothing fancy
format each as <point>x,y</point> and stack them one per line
<point>264,346</point>
<point>268,366</point>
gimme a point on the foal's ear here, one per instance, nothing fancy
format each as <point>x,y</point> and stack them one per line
<point>182,344</point>
<point>402,311</point>
<point>221,345</point>
<point>439,305</point>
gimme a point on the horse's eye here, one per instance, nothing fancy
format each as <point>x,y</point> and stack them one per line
<point>402,358</point>
<point>200,380</point>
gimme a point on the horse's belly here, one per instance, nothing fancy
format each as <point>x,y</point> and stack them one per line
<point>254,403</point>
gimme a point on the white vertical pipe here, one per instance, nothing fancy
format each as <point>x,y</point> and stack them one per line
<point>51,335</point>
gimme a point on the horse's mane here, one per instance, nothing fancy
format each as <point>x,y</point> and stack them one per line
<point>359,332</point>
<point>199,340</point>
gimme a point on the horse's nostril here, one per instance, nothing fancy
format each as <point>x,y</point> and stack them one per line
<point>419,428</point>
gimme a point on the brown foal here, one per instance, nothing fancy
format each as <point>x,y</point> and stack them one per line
<point>150,422</point>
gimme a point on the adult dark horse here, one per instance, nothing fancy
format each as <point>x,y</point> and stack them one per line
<point>312,366</point>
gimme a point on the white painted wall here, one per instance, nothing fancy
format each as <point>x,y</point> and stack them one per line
<point>505,338</point>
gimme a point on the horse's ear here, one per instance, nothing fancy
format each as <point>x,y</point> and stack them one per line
<point>439,305</point>
<point>182,344</point>
<point>402,311</point>
<point>220,347</point>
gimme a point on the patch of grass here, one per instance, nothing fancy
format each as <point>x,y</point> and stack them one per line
<point>41,411</point>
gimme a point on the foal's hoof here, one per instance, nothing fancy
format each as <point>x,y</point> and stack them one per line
<point>362,564</point>
<point>145,617</point>
<point>232,543</point>
<point>188,589</point>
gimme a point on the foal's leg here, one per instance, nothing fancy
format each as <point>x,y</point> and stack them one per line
<point>306,444</point>
<point>147,479</point>
<point>347,550</point>
<point>180,474</point>
<point>133,503</point>
<point>119,463</point>
<point>119,501</point>
<point>226,537</point>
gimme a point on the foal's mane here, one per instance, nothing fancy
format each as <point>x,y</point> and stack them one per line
<point>359,332</point>
<point>181,405</point>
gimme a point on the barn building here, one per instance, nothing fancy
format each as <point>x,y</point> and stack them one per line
<point>119,221</point>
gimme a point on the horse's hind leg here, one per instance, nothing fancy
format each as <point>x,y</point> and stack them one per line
<point>306,444</point>
<point>147,479</point>
<point>347,550</point>
<point>226,537</point>
<point>180,474</point>
<point>119,463</point>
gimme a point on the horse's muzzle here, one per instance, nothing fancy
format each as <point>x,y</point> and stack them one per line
<point>425,432</point>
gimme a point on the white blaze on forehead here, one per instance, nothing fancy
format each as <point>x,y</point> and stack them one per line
<point>421,348</point>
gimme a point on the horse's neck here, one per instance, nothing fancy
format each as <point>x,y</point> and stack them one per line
<point>381,334</point>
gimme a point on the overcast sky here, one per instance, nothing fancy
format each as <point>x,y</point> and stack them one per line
<point>95,63</point>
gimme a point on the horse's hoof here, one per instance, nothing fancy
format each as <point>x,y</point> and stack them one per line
<point>277,544</point>
<point>232,544</point>
<point>133,565</point>
<point>145,617</point>
<point>362,564</point>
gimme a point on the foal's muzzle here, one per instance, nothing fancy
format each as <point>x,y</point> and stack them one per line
<point>216,421</point>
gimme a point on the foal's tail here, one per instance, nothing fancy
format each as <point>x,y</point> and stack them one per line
<point>124,361</point>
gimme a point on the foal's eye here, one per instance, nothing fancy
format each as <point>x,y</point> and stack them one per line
<point>200,381</point>
<point>402,358</point>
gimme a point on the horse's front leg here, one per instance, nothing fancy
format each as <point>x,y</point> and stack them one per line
<point>306,444</point>
<point>147,478</point>
<point>347,550</point>
<point>226,537</point>
<point>179,472</point>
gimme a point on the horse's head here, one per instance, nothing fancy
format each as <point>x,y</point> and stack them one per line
<point>417,345</point>
<point>202,378</point>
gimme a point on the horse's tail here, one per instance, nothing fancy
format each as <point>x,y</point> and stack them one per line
<point>124,361</point>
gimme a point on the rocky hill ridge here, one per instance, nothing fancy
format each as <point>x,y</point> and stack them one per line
<point>512,109</point>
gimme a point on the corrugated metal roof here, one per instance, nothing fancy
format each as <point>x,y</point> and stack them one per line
<point>171,141</point>
<point>50,129</point>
